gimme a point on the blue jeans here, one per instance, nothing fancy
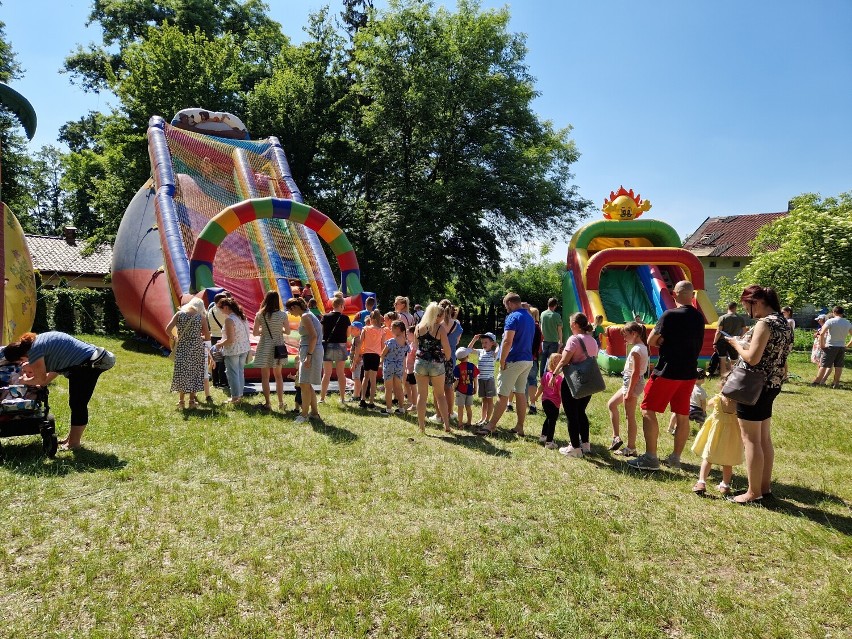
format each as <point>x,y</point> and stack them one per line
<point>235,371</point>
<point>547,349</point>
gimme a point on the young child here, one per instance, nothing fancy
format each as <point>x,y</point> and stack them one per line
<point>410,379</point>
<point>369,305</point>
<point>393,366</point>
<point>465,374</point>
<point>633,383</point>
<point>718,442</point>
<point>371,353</point>
<point>599,329</point>
<point>488,355</point>
<point>356,364</point>
<point>551,394</point>
<point>697,402</point>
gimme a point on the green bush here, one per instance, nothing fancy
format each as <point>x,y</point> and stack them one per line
<point>65,310</point>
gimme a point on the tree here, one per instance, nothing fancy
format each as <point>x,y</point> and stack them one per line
<point>805,255</point>
<point>452,162</point>
<point>48,214</point>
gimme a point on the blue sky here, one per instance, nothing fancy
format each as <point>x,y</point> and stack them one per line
<point>705,107</point>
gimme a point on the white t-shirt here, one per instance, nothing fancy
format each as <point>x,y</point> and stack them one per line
<point>698,397</point>
<point>838,331</point>
<point>642,351</point>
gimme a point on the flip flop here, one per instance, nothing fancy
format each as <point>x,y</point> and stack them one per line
<point>484,432</point>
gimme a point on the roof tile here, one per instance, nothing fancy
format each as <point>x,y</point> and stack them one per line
<point>55,254</point>
<point>728,236</point>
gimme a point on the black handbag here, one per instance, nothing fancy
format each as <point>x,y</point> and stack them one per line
<point>584,378</point>
<point>744,385</point>
<point>280,349</point>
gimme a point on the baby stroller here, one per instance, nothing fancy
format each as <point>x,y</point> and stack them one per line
<point>25,410</point>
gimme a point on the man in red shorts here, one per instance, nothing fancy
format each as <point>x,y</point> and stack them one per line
<point>678,334</point>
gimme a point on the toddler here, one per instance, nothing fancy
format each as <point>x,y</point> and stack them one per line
<point>633,383</point>
<point>488,355</point>
<point>718,442</point>
<point>550,392</point>
<point>393,365</point>
<point>465,375</point>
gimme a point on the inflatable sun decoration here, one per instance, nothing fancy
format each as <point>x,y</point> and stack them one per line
<point>624,205</point>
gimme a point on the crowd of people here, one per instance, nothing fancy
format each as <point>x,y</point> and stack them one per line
<point>419,349</point>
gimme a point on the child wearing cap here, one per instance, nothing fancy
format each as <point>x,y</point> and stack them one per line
<point>465,374</point>
<point>488,355</point>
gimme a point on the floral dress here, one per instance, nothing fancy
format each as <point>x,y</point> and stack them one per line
<point>188,376</point>
<point>776,351</point>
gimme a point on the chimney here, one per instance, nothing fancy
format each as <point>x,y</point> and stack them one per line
<point>70,233</point>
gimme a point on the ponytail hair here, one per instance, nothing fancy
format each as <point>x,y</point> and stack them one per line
<point>767,295</point>
<point>639,329</point>
<point>235,307</point>
<point>582,321</point>
<point>16,350</point>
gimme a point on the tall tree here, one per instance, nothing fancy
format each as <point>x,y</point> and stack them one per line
<point>454,162</point>
<point>805,255</point>
<point>48,214</point>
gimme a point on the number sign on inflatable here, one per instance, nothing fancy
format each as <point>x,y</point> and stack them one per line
<point>222,211</point>
<point>622,267</point>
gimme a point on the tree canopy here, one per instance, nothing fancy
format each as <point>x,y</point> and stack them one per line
<point>806,255</point>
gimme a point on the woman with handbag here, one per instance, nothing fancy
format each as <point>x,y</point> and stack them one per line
<point>335,330</point>
<point>763,354</point>
<point>310,357</point>
<point>271,353</point>
<point>578,348</point>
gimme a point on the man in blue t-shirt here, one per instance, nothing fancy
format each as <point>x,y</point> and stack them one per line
<point>516,360</point>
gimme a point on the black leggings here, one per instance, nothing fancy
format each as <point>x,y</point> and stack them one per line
<point>551,412</point>
<point>575,411</point>
<point>81,386</point>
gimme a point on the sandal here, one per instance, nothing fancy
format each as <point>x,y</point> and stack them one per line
<point>180,406</point>
<point>724,488</point>
<point>484,432</point>
<point>616,443</point>
<point>700,488</point>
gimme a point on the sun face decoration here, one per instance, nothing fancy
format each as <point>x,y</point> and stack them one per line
<point>624,205</point>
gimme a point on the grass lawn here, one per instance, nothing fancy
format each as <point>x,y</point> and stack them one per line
<point>234,523</point>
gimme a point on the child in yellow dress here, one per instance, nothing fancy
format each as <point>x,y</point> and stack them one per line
<point>718,442</point>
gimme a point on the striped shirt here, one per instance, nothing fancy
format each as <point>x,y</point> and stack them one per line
<point>60,351</point>
<point>486,362</point>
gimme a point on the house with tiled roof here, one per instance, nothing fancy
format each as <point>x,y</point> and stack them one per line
<point>58,257</point>
<point>722,245</point>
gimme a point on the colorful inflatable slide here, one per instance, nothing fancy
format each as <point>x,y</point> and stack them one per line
<point>222,211</point>
<point>622,268</point>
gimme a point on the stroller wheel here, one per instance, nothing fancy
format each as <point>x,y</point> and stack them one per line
<point>50,444</point>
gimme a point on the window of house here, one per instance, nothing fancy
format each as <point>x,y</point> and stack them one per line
<point>736,263</point>
<point>712,264</point>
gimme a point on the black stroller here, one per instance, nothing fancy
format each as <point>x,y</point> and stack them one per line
<point>25,410</point>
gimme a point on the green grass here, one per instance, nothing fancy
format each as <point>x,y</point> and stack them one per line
<point>235,523</point>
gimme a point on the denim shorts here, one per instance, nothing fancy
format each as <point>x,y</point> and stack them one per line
<point>335,352</point>
<point>429,369</point>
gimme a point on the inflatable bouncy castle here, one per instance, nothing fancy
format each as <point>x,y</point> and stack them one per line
<point>221,211</point>
<point>622,267</point>
<point>17,288</point>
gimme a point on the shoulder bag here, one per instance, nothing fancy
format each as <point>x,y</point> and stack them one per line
<point>584,378</point>
<point>744,385</point>
<point>280,349</point>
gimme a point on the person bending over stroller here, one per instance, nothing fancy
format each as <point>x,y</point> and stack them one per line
<point>47,355</point>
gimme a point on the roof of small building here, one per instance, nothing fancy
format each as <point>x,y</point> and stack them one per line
<point>728,236</point>
<point>55,254</point>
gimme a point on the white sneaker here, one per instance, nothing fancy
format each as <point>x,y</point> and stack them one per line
<point>570,451</point>
<point>301,419</point>
<point>436,419</point>
<point>550,445</point>
<point>541,439</point>
<point>454,419</point>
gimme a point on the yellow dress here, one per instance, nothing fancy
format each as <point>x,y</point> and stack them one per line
<point>718,441</point>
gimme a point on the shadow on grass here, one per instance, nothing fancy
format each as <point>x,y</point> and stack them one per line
<point>138,345</point>
<point>30,460</point>
<point>800,501</point>
<point>602,458</point>
<point>473,442</point>
<point>335,434</point>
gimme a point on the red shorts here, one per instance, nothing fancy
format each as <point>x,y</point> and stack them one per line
<point>661,392</point>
